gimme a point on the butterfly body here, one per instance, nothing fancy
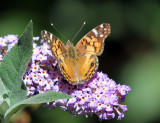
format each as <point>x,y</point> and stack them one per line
<point>78,63</point>
<point>71,51</point>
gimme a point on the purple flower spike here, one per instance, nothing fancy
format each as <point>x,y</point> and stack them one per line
<point>100,95</point>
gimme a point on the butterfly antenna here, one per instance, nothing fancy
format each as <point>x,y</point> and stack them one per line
<point>78,31</point>
<point>58,31</point>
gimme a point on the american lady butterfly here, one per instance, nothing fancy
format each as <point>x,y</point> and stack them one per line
<point>78,63</point>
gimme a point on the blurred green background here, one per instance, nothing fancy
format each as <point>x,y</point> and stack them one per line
<point>131,55</point>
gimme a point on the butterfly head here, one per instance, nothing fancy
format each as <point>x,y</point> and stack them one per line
<point>69,44</point>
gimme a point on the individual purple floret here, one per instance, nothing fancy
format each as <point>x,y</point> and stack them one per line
<point>100,95</point>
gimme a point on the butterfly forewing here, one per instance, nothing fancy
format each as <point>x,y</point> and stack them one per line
<point>57,47</point>
<point>93,41</point>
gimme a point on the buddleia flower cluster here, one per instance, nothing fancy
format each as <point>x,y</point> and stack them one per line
<point>100,95</point>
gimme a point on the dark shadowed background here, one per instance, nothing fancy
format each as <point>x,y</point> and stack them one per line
<point>131,55</point>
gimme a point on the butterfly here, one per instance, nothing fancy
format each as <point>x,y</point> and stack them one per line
<point>78,63</point>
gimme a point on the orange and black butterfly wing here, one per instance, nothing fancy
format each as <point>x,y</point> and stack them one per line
<point>57,47</point>
<point>89,47</point>
<point>93,41</point>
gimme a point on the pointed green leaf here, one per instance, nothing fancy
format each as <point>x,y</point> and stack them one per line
<point>48,96</point>
<point>13,67</point>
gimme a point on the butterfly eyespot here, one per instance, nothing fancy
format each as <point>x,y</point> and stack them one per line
<point>85,74</point>
<point>92,64</point>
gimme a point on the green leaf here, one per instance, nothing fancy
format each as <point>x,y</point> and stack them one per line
<point>48,96</point>
<point>12,69</point>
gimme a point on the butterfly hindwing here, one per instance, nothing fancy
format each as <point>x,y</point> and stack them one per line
<point>79,70</point>
<point>93,41</point>
<point>57,47</point>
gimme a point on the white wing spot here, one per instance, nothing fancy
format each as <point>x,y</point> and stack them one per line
<point>49,41</point>
<point>45,32</point>
<point>101,25</point>
<point>44,35</point>
<point>101,35</point>
<point>105,29</point>
<point>95,31</point>
<point>51,37</point>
